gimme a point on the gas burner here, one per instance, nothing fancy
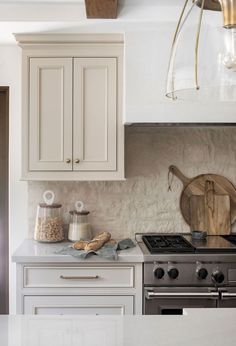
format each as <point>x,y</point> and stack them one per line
<point>167,244</point>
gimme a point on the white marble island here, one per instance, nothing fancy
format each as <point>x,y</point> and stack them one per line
<point>198,327</point>
<point>56,284</point>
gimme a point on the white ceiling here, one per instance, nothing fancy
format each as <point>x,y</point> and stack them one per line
<point>69,15</point>
<point>130,2</point>
<point>45,1</point>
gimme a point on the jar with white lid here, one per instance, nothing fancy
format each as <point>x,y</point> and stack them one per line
<point>79,227</point>
<point>49,223</point>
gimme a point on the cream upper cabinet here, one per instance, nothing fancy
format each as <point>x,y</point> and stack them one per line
<point>72,103</point>
<point>50,115</point>
<point>94,126</point>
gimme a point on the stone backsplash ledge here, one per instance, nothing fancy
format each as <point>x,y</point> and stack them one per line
<point>143,203</point>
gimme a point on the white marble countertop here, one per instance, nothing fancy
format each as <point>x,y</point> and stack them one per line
<point>198,327</point>
<point>31,251</point>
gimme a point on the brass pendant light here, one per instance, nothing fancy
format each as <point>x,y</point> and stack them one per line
<point>207,69</point>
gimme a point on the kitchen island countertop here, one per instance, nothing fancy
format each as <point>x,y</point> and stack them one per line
<point>31,251</point>
<point>197,327</point>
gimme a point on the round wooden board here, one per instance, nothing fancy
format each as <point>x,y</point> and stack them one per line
<point>196,186</point>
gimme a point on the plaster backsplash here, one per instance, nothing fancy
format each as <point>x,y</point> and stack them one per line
<point>142,203</point>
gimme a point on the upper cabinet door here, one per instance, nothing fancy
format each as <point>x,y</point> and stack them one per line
<point>95,114</point>
<point>50,114</point>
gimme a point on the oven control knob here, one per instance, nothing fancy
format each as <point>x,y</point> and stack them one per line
<point>202,273</point>
<point>159,273</point>
<point>173,273</point>
<point>218,277</point>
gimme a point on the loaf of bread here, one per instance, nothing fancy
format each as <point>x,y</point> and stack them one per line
<point>95,244</point>
<point>80,245</point>
<point>98,241</point>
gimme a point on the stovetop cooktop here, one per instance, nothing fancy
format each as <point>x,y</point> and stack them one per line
<point>180,244</point>
<point>167,244</point>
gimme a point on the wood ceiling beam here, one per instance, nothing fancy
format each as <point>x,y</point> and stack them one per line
<point>106,9</point>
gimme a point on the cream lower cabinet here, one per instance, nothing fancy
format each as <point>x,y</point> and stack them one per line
<point>78,305</point>
<point>72,107</point>
<point>82,289</point>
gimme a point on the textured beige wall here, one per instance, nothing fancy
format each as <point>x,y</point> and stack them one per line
<point>142,203</point>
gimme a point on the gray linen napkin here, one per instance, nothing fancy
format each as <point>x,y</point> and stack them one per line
<point>108,251</point>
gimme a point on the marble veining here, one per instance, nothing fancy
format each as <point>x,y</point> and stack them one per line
<point>196,327</point>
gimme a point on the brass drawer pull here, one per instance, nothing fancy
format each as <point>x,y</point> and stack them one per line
<point>68,160</point>
<point>79,277</point>
<point>77,161</point>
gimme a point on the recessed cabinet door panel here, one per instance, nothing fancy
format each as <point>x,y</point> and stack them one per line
<point>78,305</point>
<point>94,131</point>
<point>50,137</point>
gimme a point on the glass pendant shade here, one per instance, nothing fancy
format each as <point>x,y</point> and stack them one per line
<point>202,65</point>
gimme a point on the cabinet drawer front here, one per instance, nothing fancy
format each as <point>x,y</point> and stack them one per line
<point>62,277</point>
<point>78,305</point>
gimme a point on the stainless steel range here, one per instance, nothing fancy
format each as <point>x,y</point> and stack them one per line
<point>183,273</point>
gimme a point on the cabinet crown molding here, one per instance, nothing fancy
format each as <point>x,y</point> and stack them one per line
<point>68,38</point>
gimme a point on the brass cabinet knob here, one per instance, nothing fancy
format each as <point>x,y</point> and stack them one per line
<point>68,160</point>
<point>77,161</point>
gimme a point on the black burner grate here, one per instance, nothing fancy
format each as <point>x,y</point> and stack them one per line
<point>167,244</point>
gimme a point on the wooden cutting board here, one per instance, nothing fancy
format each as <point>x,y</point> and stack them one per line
<point>210,212</point>
<point>196,187</point>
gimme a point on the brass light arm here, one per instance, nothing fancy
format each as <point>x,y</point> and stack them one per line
<point>180,24</point>
<point>175,39</point>
<point>197,45</point>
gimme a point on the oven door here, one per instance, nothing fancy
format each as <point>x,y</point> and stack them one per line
<point>172,300</point>
<point>227,297</point>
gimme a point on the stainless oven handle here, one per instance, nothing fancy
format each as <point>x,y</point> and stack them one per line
<point>150,295</point>
<point>227,295</point>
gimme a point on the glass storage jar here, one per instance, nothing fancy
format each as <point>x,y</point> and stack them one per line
<point>49,224</point>
<point>79,228</point>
